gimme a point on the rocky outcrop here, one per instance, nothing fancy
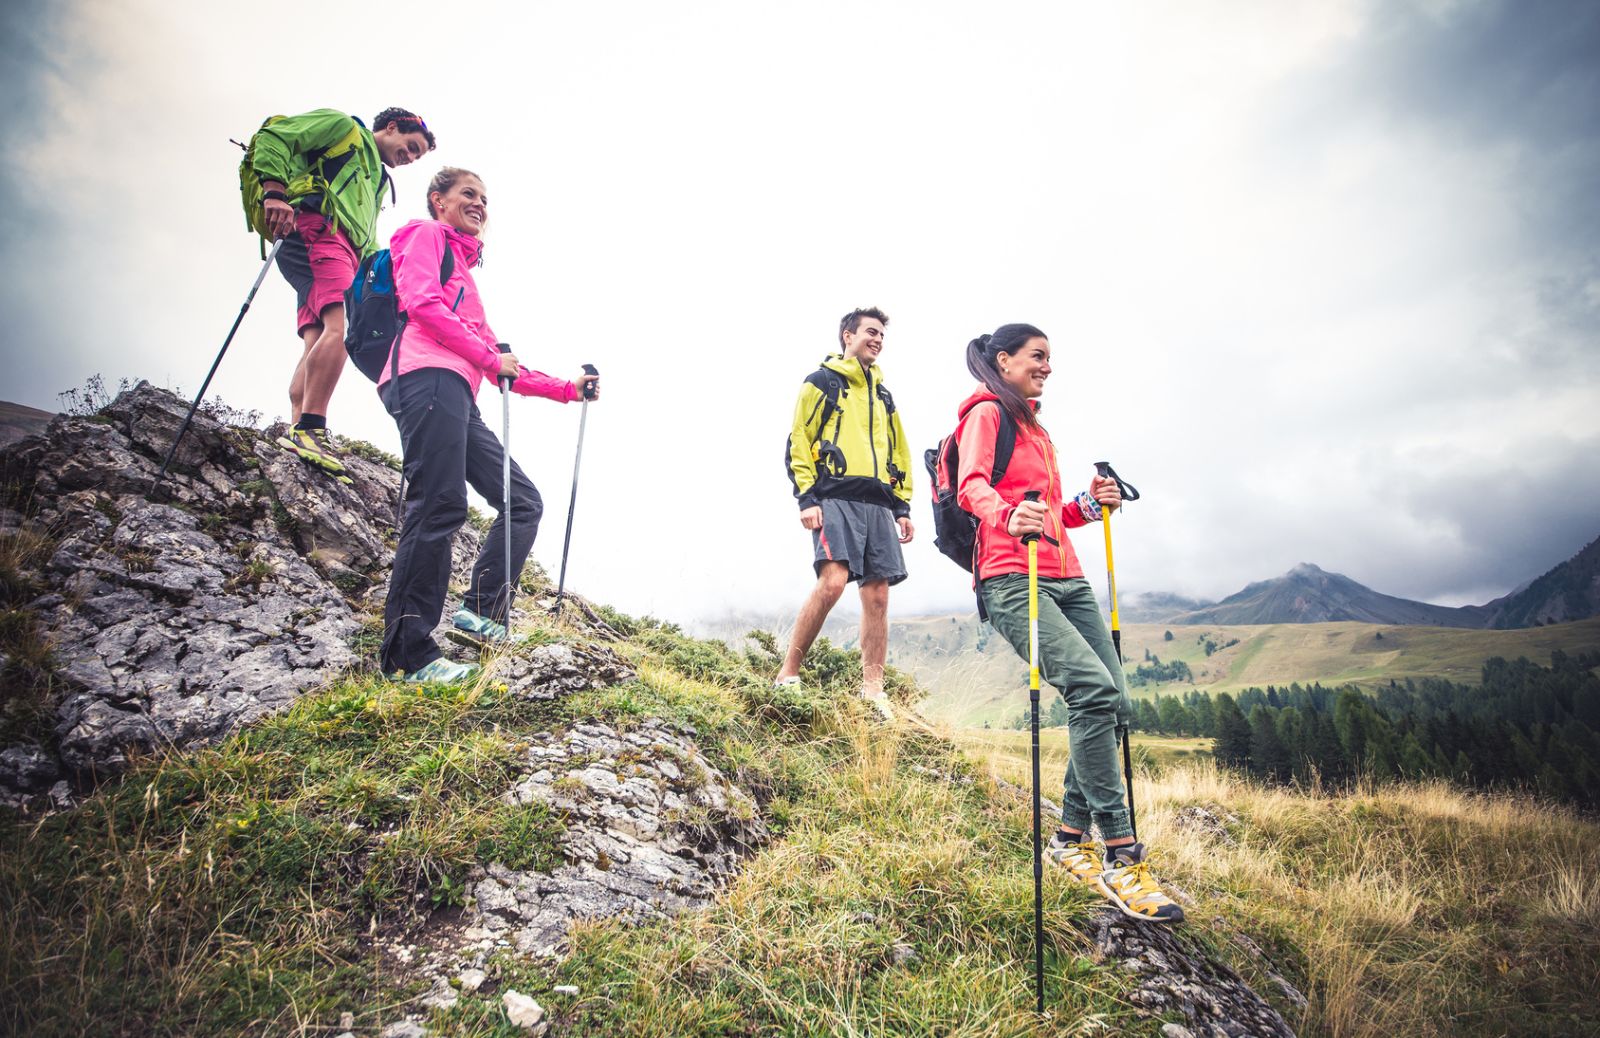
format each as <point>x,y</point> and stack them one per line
<point>171,618</point>
<point>1177,974</point>
<point>652,829</point>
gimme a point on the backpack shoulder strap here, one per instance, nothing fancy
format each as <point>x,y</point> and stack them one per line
<point>447,264</point>
<point>1005,443</point>
<point>830,384</point>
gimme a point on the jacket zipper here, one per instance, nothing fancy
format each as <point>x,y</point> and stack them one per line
<point>1061,530</point>
<point>872,440</point>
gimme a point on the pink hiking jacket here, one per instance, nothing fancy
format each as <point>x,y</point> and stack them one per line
<point>456,338</point>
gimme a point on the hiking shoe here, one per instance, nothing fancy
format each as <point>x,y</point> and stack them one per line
<point>793,683</point>
<point>315,447</point>
<point>1128,883</point>
<point>479,629</point>
<point>441,672</point>
<point>880,703</point>
<point>1081,860</point>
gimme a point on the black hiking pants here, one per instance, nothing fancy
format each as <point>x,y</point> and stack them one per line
<point>446,446</point>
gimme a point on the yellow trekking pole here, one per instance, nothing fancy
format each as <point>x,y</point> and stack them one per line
<point>1032,541</point>
<point>1129,493</point>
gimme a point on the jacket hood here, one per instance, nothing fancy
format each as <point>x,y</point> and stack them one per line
<point>468,249</point>
<point>851,369</point>
<point>981,394</point>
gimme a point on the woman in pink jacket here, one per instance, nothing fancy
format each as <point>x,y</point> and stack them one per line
<point>446,352</point>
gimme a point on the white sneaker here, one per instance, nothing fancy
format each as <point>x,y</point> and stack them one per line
<point>879,701</point>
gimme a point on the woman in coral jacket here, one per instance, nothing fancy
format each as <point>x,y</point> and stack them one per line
<point>446,351</point>
<point>1076,655</point>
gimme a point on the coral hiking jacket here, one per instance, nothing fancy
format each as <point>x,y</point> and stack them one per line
<point>1032,467</point>
<point>439,331</point>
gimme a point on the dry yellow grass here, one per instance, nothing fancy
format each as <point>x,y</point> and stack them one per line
<point>1413,909</point>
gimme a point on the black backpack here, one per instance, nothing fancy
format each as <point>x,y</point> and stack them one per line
<point>373,316</point>
<point>955,529</point>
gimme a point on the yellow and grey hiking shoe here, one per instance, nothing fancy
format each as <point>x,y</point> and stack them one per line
<point>1127,881</point>
<point>1081,860</point>
<point>441,672</point>
<point>313,446</point>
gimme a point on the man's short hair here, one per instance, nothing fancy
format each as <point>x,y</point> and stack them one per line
<point>405,122</point>
<point>852,320</point>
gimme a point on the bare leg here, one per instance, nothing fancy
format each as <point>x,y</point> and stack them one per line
<point>830,585</point>
<point>324,361</point>
<point>874,634</point>
<point>297,384</point>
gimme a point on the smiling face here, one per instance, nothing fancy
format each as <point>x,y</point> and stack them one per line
<point>1026,369</point>
<point>465,206</point>
<point>866,342</point>
<point>399,149</point>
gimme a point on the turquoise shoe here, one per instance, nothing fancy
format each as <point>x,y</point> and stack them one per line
<point>442,672</point>
<point>479,628</point>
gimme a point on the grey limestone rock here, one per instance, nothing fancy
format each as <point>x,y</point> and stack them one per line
<point>1177,973</point>
<point>652,829</point>
<point>175,617</point>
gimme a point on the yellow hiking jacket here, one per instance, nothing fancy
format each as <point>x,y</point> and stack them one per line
<point>846,441</point>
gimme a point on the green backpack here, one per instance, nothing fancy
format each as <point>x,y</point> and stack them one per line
<point>321,168</point>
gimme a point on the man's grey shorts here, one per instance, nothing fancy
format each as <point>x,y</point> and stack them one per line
<point>863,536</point>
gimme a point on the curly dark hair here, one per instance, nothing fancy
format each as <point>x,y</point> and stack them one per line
<point>406,122</point>
<point>852,320</point>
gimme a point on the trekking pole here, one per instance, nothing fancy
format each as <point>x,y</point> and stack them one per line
<point>1032,541</point>
<point>505,481</point>
<point>1129,493</point>
<point>271,256</point>
<point>583,420</point>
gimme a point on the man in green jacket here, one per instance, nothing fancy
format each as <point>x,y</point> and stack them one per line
<point>851,470</point>
<point>322,179</point>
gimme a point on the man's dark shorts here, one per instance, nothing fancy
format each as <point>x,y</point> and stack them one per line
<point>863,536</point>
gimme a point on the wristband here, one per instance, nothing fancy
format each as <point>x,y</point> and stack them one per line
<point>1089,506</point>
<point>274,195</point>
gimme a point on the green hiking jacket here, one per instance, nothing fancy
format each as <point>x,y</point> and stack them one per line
<point>328,154</point>
<point>846,440</point>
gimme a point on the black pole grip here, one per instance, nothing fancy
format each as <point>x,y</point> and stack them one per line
<point>589,387</point>
<point>1128,491</point>
<point>504,347</point>
<point>1032,495</point>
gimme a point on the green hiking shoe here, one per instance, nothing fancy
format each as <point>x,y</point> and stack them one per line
<point>1128,882</point>
<point>480,630</point>
<point>314,447</point>
<point>441,672</point>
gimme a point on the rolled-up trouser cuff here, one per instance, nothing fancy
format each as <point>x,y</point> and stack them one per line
<point>1114,825</point>
<point>1075,820</point>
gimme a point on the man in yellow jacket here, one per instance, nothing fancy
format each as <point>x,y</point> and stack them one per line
<point>851,470</point>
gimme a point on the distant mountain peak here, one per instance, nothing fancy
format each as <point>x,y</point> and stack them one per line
<point>1310,594</point>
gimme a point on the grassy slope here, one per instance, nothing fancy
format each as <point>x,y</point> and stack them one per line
<point>1408,909</point>
<point>231,891</point>
<point>973,687</point>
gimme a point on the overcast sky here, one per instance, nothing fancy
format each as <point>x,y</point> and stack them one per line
<point>1321,278</point>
